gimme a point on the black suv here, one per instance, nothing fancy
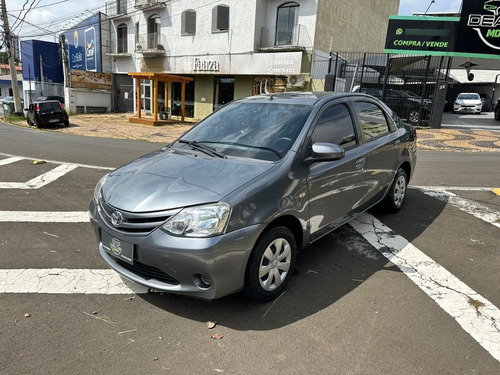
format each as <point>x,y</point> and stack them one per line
<point>497,110</point>
<point>42,113</point>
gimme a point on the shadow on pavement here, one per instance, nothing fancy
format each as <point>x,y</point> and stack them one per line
<point>328,270</point>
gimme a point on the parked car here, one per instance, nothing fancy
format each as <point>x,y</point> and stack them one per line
<point>43,113</point>
<point>226,207</point>
<point>468,102</point>
<point>60,99</point>
<point>404,103</point>
<point>486,103</point>
<point>497,111</point>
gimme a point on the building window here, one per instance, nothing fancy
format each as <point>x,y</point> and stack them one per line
<point>220,18</point>
<point>121,6</point>
<point>137,37</point>
<point>286,24</point>
<point>188,22</point>
<point>121,38</point>
<point>154,32</point>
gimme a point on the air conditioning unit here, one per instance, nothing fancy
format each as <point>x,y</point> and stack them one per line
<point>297,80</point>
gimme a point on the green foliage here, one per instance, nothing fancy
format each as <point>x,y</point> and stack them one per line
<point>4,58</point>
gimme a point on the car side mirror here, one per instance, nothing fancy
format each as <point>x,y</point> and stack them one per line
<point>325,152</point>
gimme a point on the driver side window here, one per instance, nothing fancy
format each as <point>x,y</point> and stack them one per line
<point>335,126</point>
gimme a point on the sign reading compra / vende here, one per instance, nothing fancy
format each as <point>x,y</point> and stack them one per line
<point>432,35</point>
<point>475,34</point>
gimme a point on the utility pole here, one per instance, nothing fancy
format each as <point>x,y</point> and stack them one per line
<point>12,64</point>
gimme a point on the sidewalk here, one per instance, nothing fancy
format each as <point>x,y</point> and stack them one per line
<point>116,125</point>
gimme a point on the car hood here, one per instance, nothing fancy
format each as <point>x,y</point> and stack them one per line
<point>166,180</point>
<point>469,101</point>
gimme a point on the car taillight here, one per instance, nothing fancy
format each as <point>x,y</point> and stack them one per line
<point>60,105</point>
<point>37,108</point>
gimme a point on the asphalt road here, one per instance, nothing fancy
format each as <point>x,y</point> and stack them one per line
<point>348,309</point>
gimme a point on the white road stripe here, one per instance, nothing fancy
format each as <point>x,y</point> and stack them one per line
<point>58,162</point>
<point>66,281</point>
<point>40,181</point>
<point>448,188</point>
<point>471,207</point>
<point>10,160</point>
<point>475,314</point>
<point>44,217</point>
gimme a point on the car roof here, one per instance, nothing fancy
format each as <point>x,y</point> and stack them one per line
<point>45,101</point>
<point>304,98</point>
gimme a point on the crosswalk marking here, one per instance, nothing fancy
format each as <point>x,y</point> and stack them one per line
<point>44,217</point>
<point>39,181</point>
<point>475,314</point>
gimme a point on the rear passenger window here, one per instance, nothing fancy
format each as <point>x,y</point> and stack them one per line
<point>372,119</point>
<point>335,126</point>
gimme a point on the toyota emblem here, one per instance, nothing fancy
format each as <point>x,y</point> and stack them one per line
<point>117,218</point>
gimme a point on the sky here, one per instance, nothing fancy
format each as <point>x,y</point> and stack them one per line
<point>49,17</point>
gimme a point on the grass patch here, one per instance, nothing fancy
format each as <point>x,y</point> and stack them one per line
<point>15,119</point>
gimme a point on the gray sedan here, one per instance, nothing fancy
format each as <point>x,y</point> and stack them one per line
<point>228,205</point>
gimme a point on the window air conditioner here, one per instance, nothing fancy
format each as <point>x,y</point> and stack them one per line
<point>297,80</point>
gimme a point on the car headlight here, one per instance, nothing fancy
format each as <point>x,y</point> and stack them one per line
<point>201,221</point>
<point>97,190</point>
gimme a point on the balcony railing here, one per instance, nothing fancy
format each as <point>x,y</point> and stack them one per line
<point>297,38</point>
<point>151,45</point>
<point>150,4</point>
<point>116,8</point>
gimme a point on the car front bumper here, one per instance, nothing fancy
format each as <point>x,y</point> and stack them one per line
<point>463,109</point>
<point>206,268</point>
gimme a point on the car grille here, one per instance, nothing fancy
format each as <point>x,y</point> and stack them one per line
<point>148,272</point>
<point>140,223</point>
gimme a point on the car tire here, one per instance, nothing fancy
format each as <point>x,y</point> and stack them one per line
<point>28,122</point>
<point>271,264</point>
<point>397,193</point>
<point>37,124</point>
<point>497,114</point>
<point>66,123</point>
<point>413,116</point>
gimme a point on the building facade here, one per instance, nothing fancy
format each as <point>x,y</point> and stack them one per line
<point>232,48</point>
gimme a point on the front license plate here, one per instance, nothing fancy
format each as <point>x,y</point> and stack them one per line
<point>118,248</point>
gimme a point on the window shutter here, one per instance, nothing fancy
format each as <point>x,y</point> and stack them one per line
<point>220,18</point>
<point>188,22</point>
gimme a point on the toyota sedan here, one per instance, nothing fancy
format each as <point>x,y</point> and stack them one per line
<point>227,206</point>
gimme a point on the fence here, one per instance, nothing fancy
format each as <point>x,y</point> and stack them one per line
<point>406,83</point>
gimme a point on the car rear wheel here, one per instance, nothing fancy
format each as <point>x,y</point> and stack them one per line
<point>397,194</point>
<point>413,116</point>
<point>66,123</point>
<point>271,264</point>
<point>497,114</point>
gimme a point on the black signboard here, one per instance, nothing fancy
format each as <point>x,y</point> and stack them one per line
<point>428,36</point>
<point>479,31</point>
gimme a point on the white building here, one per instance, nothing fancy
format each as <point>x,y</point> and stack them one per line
<point>234,48</point>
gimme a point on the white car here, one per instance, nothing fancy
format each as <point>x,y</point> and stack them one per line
<point>468,103</point>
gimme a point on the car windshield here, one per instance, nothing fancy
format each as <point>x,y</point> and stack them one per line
<point>263,131</point>
<point>469,97</point>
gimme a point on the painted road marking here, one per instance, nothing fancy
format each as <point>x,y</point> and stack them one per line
<point>40,181</point>
<point>10,160</point>
<point>44,217</point>
<point>475,314</point>
<point>57,162</point>
<point>471,207</point>
<point>66,281</point>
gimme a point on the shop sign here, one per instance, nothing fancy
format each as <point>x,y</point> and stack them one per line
<point>91,80</point>
<point>206,65</point>
<point>432,35</point>
<point>479,27</point>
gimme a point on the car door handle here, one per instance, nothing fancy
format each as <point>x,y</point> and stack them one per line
<point>360,163</point>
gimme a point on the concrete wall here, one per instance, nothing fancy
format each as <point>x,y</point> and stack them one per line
<point>354,25</point>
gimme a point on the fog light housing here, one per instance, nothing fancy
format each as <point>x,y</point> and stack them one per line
<point>203,281</point>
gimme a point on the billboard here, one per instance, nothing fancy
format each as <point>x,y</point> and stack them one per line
<point>83,45</point>
<point>475,34</point>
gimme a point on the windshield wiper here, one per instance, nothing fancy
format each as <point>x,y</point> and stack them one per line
<point>203,148</point>
<point>251,146</point>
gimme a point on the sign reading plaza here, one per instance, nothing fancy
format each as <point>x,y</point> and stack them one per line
<point>475,34</point>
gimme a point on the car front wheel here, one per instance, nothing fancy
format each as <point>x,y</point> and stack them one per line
<point>271,264</point>
<point>397,194</point>
<point>414,116</point>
